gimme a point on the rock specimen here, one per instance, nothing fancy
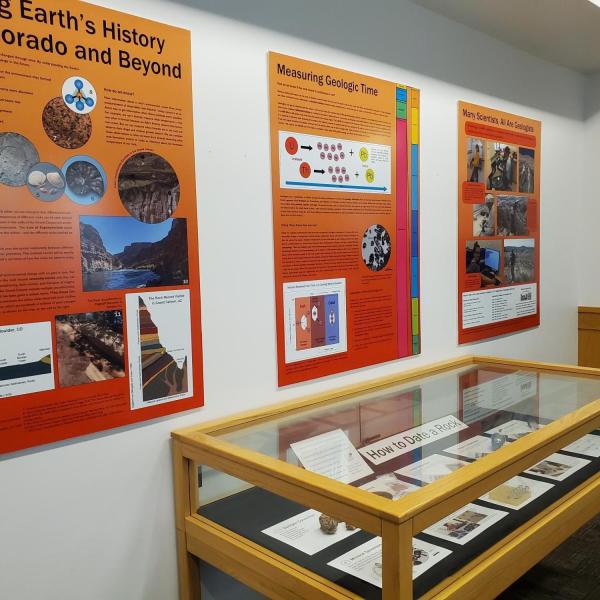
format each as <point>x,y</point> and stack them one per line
<point>328,524</point>
<point>64,127</point>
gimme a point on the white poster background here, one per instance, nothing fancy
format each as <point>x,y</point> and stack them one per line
<point>302,289</point>
<point>499,304</point>
<point>22,344</point>
<point>347,165</point>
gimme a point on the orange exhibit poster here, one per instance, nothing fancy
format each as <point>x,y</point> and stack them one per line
<point>345,168</point>
<point>99,267</point>
<point>498,223</point>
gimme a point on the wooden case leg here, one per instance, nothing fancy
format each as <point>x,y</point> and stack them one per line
<point>397,561</point>
<point>184,482</point>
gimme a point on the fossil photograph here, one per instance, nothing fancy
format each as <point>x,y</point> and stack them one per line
<point>17,156</point>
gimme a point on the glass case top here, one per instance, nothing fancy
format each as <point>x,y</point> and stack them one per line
<point>393,439</point>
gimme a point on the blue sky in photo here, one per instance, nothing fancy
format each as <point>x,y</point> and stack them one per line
<point>118,232</point>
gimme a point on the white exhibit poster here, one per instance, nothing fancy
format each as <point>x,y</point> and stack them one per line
<point>365,561</point>
<point>304,532</point>
<point>465,524</point>
<point>588,445</point>
<point>517,492</point>
<point>332,454</point>
<point>432,468</point>
<point>558,467</point>
<point>389,484</point>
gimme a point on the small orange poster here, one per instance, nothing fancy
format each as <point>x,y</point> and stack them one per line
<point>498,223</point>
<point>99,268</point>
<point>345,168</point>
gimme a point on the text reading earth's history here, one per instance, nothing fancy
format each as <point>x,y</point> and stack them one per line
<point>61,19</point>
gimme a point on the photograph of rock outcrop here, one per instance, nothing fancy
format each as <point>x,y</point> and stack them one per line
<point>148,187</point>
<point>90,347</point>
<point>120,253</point>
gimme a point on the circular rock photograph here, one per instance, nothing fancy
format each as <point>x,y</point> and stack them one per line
<point>86,180</point>
<point>376,247</point>
<point>64,127</point>
<point>46,182</point>
<point>17,156</point>
<point>148,187</point>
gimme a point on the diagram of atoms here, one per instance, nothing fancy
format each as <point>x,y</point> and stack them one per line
<point>79,95</point>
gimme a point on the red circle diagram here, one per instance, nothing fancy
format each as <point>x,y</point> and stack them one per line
<point>291,145</point>
<point>305,170</point>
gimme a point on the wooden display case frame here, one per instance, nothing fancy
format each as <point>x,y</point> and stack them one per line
<point>395,521</point>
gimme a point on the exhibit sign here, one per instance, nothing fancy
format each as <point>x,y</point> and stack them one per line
<point>345,176</point>
<point>498,223</point>
<point>99,268</point>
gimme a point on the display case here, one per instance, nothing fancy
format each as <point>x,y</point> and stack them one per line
<point>448,481</point>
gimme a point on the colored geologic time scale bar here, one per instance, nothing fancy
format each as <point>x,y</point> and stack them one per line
<point>408,218</point>
<point>414,252</point>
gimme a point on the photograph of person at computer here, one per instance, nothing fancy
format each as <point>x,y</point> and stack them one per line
<point>484,258</point>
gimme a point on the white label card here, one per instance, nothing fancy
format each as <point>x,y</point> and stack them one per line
<point>588,445</point>
<point>558,466</point>
<point>465,524</point>
<point>364,561</point>
<point>396,445</point>
<point>332,455</point>
<point>304,532</point>
<point>517,492</point>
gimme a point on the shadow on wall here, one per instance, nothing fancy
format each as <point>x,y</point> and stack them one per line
<point>408,36</point>
<point>592,97</point>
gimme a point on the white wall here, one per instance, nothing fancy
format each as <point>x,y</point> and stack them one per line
<point>93,518</point>
<point>588,246</point>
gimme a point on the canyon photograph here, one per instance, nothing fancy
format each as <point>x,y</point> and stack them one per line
<point>120,253</point>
